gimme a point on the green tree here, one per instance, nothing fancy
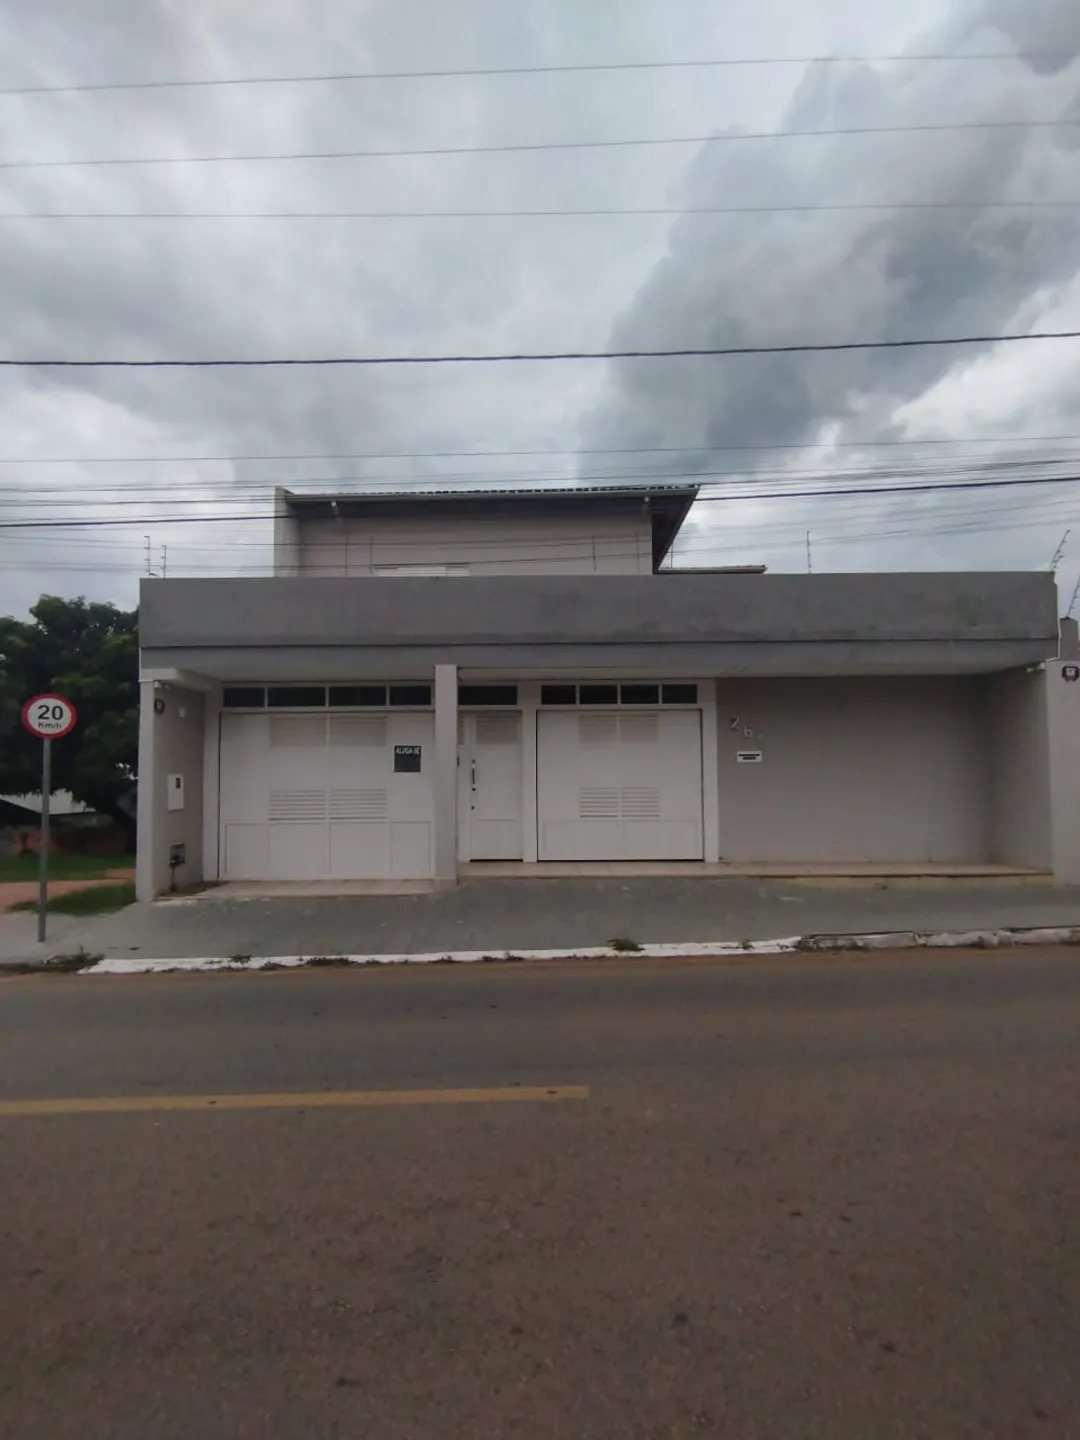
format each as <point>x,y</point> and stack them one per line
<point>88,652</point>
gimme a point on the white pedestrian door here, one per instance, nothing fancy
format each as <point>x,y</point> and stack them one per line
<point>489,786</point>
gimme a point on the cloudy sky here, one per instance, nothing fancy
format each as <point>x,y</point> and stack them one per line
<point>974,246</point>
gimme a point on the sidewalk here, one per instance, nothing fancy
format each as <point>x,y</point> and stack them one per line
<point>497,916</point>
<point>18,937</point>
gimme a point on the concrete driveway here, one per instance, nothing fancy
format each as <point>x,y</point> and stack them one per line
<point>507,915</point>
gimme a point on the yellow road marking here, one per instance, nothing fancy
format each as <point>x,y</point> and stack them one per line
<point>320,1100</point>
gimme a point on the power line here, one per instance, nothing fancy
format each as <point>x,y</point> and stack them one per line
<point>689,353</point>
<point>61,496</point>
<point>335,77</point>
<point>861,208</point>
<point>939,521</point>
<point>725,498</point>
<point>795,544</point>
<point>622,484</point>
<point>549,145</point>
<point>514,454</point>
<point>512,484</point>
<point>944,518</point>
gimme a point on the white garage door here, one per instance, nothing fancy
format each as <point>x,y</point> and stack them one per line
<point>320,796</point>
<point>619,785</point>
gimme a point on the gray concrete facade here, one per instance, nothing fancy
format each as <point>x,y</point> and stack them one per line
<point>902,718</point>
<point>612,609</point>
<point>772,624</point>
<point>886,769</point>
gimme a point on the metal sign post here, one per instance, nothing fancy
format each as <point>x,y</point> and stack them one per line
<point>43,845</point>
<point>50,717</point>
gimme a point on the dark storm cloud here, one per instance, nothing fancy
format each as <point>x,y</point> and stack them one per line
<point>142,288</point>
<point>1039,25</point>
<point>790,278</point>
<point>249,288</point>
<point>873,276</point>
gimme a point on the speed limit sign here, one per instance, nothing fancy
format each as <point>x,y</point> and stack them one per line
<point>49,716</point>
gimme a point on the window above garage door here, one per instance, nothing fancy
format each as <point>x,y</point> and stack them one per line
<point>592,692</point>
<point>402,695</point>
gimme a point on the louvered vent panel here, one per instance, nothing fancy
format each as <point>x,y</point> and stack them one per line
<point>640,802</point>
<point>358,804</point>
<point>598,802</point>
<point>639,729</point>
<point>298,732</point>
<point>358,731</point>
<point>497,729</point>
<point>297,804</point>
<point>595,730</point>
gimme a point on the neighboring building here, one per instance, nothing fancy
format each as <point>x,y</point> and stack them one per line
<point>27,808</point>
<point>434,679</point>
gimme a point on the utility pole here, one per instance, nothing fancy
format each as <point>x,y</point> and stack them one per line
<point>164,560</point>
<point>809,555</point>
<point>149,561</point>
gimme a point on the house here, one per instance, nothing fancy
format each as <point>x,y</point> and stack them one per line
<point>26,809</point>
<point>431,680</point>
<point>20,821</point>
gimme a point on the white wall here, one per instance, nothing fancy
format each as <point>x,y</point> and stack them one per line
<point>170,743</point>
<point>604,544</point>
<point>286,536</point>
<point>875,770</point>
<point>1020,766</point>
<point>1063,706</point>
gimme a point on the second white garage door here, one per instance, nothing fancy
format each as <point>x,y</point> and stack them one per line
<point>619,785</point>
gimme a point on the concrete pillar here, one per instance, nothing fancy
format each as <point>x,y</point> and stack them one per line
<point>211,783</point>
<point>529,698</point>
<point>1019,762</point>
<point>1063,713</point>
<point>446,778</point>
<point>171,735</point>
<point>145,888</point>
<point>286,536</point>
<point>710,772</point>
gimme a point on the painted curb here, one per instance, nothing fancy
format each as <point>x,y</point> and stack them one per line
<point>799,944</point>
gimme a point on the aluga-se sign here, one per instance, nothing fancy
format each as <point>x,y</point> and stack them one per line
<point>49,717</point>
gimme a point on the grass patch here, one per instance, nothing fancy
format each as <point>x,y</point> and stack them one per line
<point>62,867</point>
<point>98,900</point>
<point>623,945</point>
<point>71,964</point>
<point>59,965</point>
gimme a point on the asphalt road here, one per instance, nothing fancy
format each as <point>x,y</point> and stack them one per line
<point>811,1198</point>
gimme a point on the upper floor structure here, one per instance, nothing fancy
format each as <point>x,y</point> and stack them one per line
<point>573,531</point>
